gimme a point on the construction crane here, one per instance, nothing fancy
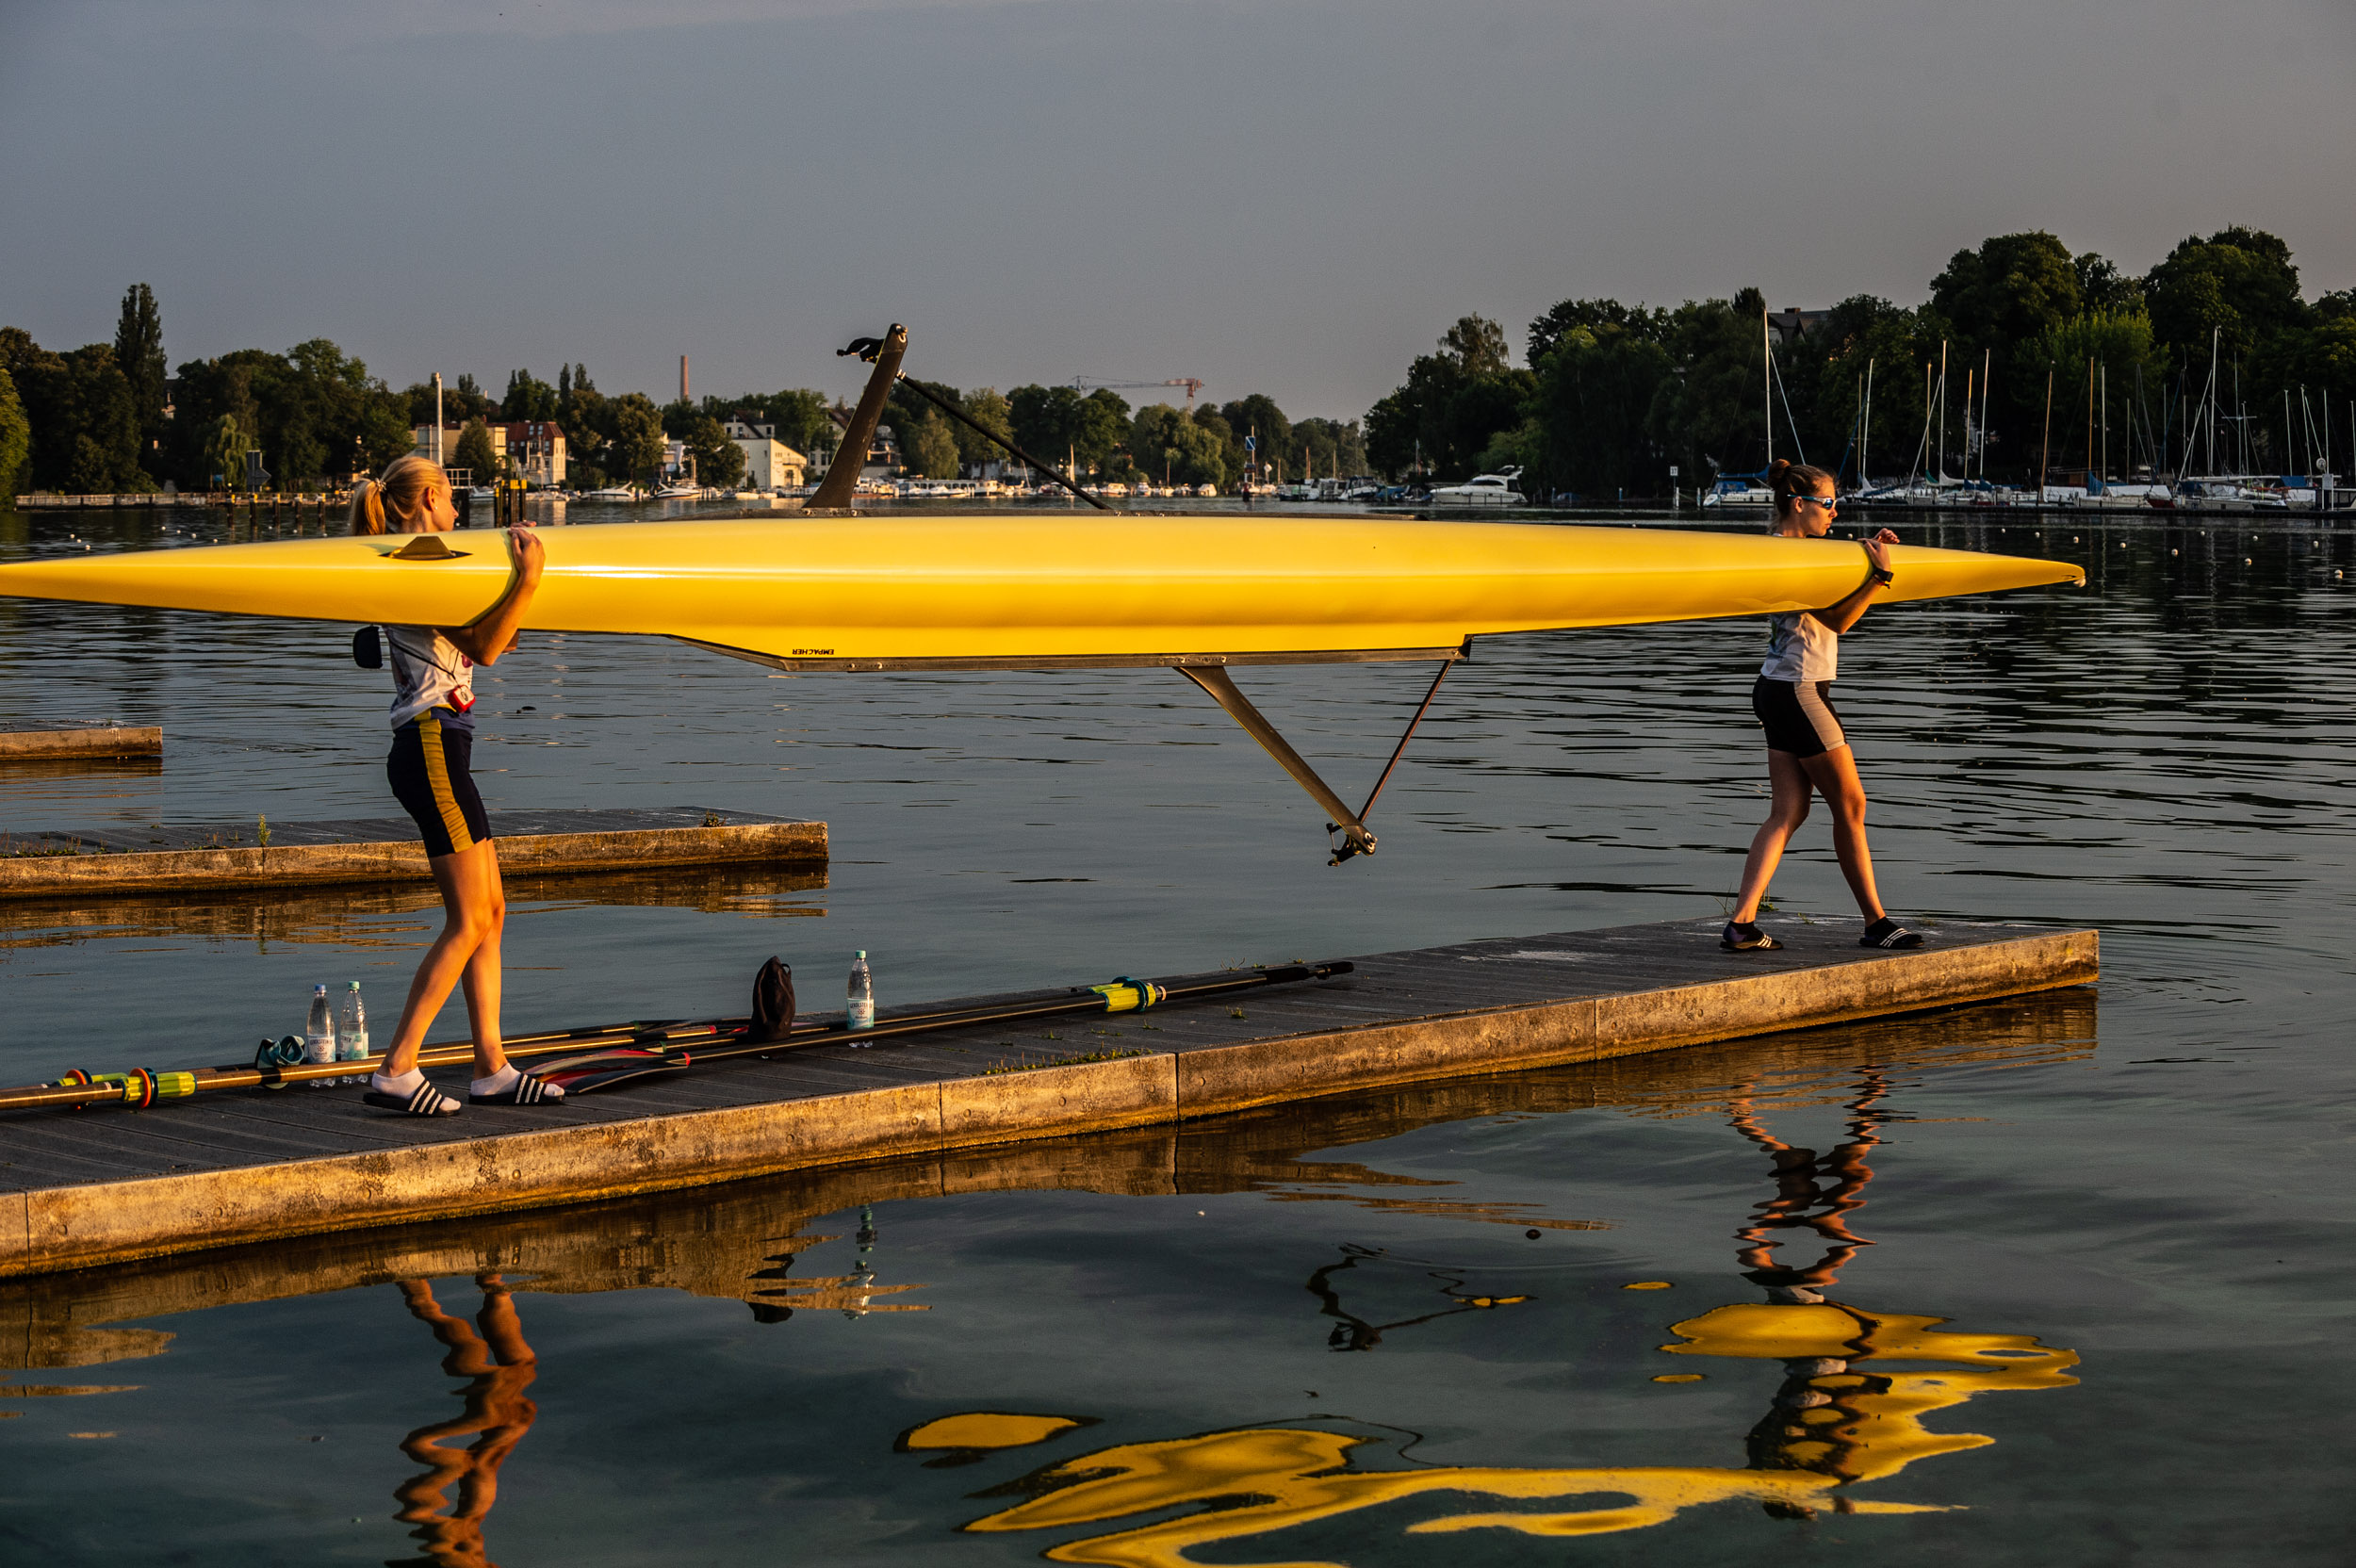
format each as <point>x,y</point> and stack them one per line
<point>1091,383</point>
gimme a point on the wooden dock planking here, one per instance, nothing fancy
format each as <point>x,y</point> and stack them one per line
<point>739,1242</point>
<point>104,1186</point>
<point>228,857</point>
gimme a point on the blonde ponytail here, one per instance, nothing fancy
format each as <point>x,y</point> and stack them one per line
<point>395,501</point>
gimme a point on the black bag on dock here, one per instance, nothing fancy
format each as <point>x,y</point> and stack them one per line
<point>773,1003</point>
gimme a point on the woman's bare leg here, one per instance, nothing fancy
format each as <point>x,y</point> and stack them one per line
<point>1787,809</point>
<point>1835,777</point>
<point>483,974</point>
<point>472,908</point>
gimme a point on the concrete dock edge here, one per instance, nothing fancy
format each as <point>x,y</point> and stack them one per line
<point>67,1227</point>
<point>44,745</point>
<point>298,865</point>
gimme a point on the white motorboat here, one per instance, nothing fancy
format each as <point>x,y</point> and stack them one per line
<point>1737,492</point>
<point>1501,488</point>
<point>611,492</point>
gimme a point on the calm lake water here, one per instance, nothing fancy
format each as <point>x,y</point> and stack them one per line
<point>2084,1257</point>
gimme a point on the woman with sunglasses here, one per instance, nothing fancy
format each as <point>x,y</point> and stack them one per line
<point>1806,751</point>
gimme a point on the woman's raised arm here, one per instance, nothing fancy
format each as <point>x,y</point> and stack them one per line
<point>494,633</point>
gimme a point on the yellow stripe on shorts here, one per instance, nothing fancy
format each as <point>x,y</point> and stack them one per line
<point>437,777</point>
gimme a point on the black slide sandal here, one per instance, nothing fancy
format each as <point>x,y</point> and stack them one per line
<point>1885,932</point>
<point>525,1090</point>
<point>424,1101</point>
<point>1740,938</point>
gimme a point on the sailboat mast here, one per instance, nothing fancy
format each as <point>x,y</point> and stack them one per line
<point>2208,398</point>
<point>2089,423</point>
<point>2106,425</point>
<point>2045,453</point>
<point>1767,382</point>
<point>1942,410</point>
<point>1987,374</point>
<point>1967,421</point>
<point>1865,441</point>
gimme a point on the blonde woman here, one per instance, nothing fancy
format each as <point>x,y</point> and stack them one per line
<point>1807,752</point>
<point>432,742</point>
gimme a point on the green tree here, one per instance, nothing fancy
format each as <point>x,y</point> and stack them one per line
<point>1168,444</point>
<point>1103,427</point>
<point>1046,421</point>
<point>637,440</point>
<point>140,353</point>
<point>718,459</point>
<point>2015,288</point>
<point>1256,419</point>
<point>1452,406</point>
<point>224,452</point>
<point>986,408</point>
<point>476,452</point>
<point>527,398</point>
<point>2238,282</point>
<point>15,439</point>
<point>1598,377</point>
<point>929,448</point>
<point>1708,417</point>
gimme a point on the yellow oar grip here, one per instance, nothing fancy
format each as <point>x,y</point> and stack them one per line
<point>1128,995</point>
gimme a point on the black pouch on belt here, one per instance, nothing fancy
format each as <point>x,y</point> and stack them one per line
<point>367,648</point>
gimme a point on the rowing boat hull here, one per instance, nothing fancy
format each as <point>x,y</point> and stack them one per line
<point>982,590</point>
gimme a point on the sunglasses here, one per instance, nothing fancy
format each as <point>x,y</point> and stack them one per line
<point>1826,501</point>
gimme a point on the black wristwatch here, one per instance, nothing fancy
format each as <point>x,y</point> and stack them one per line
<point>1882,575</point>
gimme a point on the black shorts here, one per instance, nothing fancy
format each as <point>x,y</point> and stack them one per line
<point>1797,715</point>
<point>428,770</point>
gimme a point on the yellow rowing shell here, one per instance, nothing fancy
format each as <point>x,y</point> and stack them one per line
<point>982,590</point>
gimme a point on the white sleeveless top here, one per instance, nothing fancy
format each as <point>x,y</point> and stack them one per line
<point>1801,649</point>
<point>429,672</point>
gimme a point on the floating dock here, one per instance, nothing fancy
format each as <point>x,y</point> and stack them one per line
<point>745,1242</point>
<point>263,853</point>
<point>90,745</point>
<point>108,1186</point>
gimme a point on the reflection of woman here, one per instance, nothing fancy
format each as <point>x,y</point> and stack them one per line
<point>501,1369</point>
<point>1806,751</point>
<point>432,742</point>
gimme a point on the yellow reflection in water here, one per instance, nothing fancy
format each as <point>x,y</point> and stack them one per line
<point>1843,1414</point>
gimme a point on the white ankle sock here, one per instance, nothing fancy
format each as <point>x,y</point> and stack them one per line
<point>498,1083</point>
<point>406,1082</point>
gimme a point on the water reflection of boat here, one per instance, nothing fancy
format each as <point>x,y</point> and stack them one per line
<point>1850,1410</point>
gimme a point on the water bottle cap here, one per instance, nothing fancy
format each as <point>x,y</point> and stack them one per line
<point>355,984</point>
<point>319,990</point>
<point>863,953</point>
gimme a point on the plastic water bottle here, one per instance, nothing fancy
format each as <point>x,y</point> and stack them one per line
<point>318,1034</point>
<point>860,1014</point>
<point>351,1030</point>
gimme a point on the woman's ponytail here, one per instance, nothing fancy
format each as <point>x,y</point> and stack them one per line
<point>367,506</point>
<point>393,502</point>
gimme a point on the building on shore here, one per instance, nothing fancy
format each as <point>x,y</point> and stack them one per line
<point>769,462</point>
<point>535,447</point>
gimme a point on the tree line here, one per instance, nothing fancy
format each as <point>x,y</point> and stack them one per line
<point>1611,397</point>
<point>107,418</point>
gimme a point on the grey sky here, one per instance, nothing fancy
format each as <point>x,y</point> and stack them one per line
<point>1282,196</point>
